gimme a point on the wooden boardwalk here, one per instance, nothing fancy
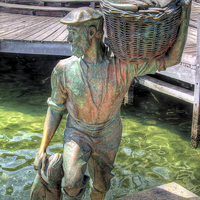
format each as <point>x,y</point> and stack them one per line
<point>46,35</point>
<point>33,35</point>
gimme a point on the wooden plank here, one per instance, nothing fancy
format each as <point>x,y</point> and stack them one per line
<point>59,1</point>
<point>7,18</point>
<point>66,1</point>
<point>14,21</point>
<point>192,36</point>
<point>195,10</point>
<point>49,33</point>
<point>190,50</point>
<point>43,32</point>
<point>32,33</point>
<point>30,30</point>
<point>189,59</point>
<point>55,34</point>
<point>166,88</point>
<point>62,37</point>
<point>18,25</point>
<point>189,56</point>
<point>180,72</point>
<point>195,135</point>
<point>29,7</point>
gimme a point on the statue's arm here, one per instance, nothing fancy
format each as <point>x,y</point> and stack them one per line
<point>57,105</point>
<point>173,56</point>
<point>52,122</point>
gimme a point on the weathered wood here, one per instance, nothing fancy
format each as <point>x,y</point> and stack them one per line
<point>48,33</point>
<point>29,30</point>
<point>14,33</point>
<point>66,1</point>
<point>55,34</point>
<point>62,37</point>
<point>166,88</point>
<point>13,22</point>
<point>180,72</point>
<point>59,1</point>
<point>47,30</point>
<point>18,25</point>
<point>6,18</point>
<point>29,7</point>
<point>189,59</point>
<point>196,108</point>
<point>27,33</point>
<point>50,13</point>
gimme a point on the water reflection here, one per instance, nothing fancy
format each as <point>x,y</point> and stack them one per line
<point>155,148</point>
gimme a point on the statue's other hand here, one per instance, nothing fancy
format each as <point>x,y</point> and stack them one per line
<point>40,160</point>
<point>185,3</point>
<point>186,9</point>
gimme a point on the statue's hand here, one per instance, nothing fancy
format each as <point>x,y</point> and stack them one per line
<point>185,3</point>
<point>40,160</point>
<point>186,9</point>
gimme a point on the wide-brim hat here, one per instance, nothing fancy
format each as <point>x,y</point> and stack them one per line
<point>81,15</point>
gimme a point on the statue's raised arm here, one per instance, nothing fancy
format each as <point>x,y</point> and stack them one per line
<point>174,54</point>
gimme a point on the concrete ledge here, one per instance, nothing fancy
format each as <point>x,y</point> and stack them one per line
<point>170,191</point>
<point>57,49</point>
<point>167,88</point>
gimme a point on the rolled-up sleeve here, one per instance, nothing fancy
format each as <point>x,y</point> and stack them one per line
<point>151,67</point>
<point>58,98</point>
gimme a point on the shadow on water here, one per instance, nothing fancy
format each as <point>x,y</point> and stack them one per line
<point>155,147</point>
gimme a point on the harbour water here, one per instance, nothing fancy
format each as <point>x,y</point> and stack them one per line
<point>155,147</point>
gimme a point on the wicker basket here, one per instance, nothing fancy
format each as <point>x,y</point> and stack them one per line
<point>142,35</point>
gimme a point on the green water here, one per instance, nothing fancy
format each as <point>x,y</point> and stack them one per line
<point>155,147</point>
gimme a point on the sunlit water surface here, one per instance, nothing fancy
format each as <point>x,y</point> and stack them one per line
<point>155,148</point>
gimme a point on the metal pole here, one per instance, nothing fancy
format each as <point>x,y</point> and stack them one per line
<point>92,4</point>
<point>195,135</point>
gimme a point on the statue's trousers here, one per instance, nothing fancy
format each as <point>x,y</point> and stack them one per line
<point>93,145</point>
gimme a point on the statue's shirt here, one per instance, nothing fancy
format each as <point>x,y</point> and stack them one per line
<point>93,96</point>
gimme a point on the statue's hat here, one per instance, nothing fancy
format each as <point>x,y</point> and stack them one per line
<point>81,15</point>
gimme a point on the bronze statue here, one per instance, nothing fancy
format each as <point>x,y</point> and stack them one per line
<point>91,86</point>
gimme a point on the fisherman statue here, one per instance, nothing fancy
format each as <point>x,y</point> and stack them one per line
<point>91,85</point>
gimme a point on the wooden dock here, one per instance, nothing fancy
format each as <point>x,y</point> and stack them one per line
<point>33,35</point>
<point>45,35</point>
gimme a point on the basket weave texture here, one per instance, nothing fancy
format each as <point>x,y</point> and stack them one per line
<point>141,36</point>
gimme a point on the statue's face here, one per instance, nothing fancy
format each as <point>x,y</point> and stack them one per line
<point>78,38</point>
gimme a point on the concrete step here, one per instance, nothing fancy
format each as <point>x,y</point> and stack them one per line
<point>170,191</point>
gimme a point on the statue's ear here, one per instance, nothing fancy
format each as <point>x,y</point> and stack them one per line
<point>92,31</point>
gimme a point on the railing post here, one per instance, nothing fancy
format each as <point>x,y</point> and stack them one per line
<point>195,135</point>
<point>92,4</point>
